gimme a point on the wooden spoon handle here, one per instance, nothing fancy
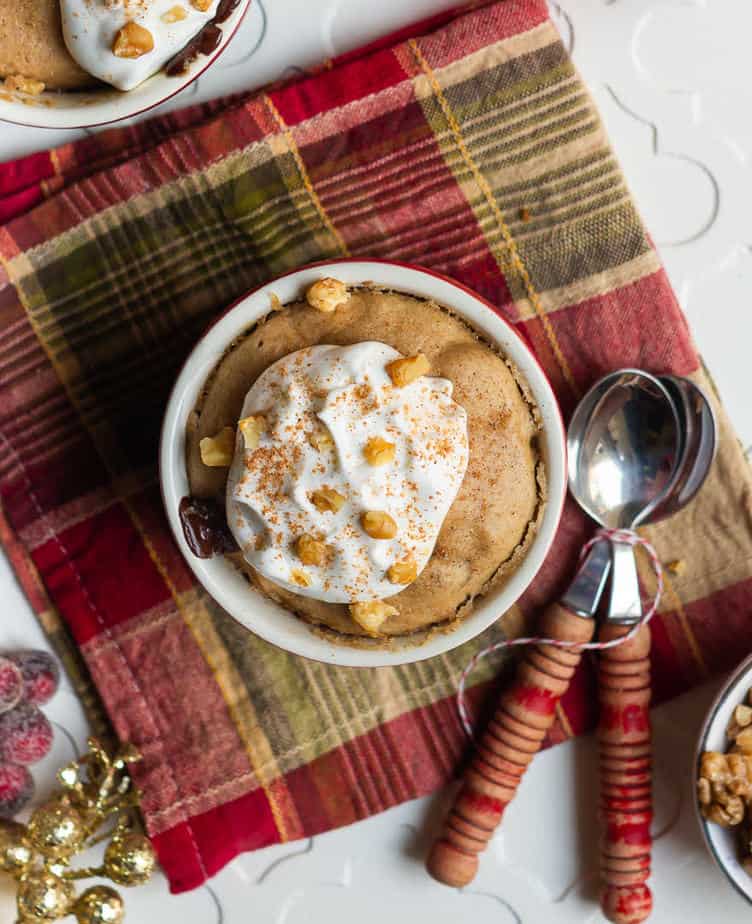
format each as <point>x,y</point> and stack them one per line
<point>625,769</point>
<point>525,712</point>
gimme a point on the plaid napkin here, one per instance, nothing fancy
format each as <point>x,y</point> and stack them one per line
<point>468,145</point>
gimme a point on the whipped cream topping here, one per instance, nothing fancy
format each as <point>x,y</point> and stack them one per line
<point>345,395</point>
<point>91,26</point>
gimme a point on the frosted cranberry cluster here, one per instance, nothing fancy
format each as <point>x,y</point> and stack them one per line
<point>28,679</point>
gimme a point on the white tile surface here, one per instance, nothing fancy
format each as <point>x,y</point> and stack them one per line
<point>671,80</point>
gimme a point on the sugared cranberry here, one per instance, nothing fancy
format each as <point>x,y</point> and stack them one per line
<point>40,673</point>
<point>16,789</point>
<point>11,684</point>
<point>25,735</point>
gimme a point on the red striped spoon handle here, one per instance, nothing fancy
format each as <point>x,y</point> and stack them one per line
<point>525,712</point>
<point>625,771</point>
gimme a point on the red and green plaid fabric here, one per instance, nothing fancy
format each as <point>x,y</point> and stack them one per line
<point>469,146</point>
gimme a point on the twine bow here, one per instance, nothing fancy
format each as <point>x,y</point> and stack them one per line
<point>627,536</point>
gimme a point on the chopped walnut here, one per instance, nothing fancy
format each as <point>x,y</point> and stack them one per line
<point>728,815</point>
<point>741,718</point>
<point>299,577</point>
<point>724,786</point>
<point>372,615</point>
<point>403,572</point>
<point>252,427</point>
<point>133,41</point>
<point>408,369</point>
<point>743,741</point>
<point>327,295</point>
<point>217,451</point>
<point>378,524</point>
<point>327,500</point>
<point>321,438</point>
<point>20,84</point>
<point>311,551</point>
<point>174,14</point>
<point>378,451</point>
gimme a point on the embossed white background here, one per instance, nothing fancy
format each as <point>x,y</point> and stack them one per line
<point>671,79</point>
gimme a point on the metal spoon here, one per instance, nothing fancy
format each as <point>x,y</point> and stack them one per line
<point>624,674</point>
<point>701,442</point>
<point>626,445</point>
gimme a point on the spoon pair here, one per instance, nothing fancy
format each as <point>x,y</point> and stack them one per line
<point>639,448</point>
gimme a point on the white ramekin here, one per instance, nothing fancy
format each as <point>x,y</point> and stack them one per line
<point>101,106</point>
<point>224,582</point>
<point>722,842</point>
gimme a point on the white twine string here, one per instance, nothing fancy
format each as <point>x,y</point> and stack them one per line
<point>627,536</point>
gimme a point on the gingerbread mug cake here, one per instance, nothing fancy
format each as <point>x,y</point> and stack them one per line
<point>372,462</point>
<point>78,44</point>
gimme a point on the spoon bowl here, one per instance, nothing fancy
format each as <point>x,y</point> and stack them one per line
<point>701,441</point>
<point>626,442</point>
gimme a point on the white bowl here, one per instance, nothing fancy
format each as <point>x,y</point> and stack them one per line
<point>85,109</point>
<point>224,582</point>
<point>721,842</point>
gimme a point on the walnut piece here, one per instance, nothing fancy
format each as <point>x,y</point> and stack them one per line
<point>311,551</point>
<point>252,427</point>
<point>378,524</point>
<point>741,718</point>
<point>372,615</point>
<point>408,369</point>
<point>299,577</point>
<point>327,500</point>
<point>217,451</point>
<point>275,302</point>
<point>724,786</point>
<point>378,451</point>
<point>321,438</point>
<point>133,41</point>
<point>327,295</point>
<point>403,572</point>
<point>17,83</point>
<point>743,741</point>
<point>174,14</point>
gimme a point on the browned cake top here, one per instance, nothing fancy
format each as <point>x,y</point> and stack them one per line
<point>492,518</point>
<point>31,45</point>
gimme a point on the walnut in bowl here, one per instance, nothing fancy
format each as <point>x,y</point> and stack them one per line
<point>724,780</point>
